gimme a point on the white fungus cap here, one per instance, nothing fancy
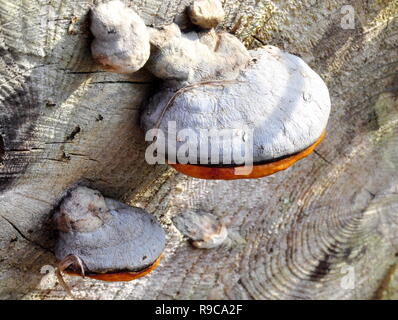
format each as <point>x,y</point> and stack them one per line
<point>121,41</point>
<point>278,96</point>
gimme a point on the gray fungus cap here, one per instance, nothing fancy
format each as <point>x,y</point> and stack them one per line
<point>129,239</point>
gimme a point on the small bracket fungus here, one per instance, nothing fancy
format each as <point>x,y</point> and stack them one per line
<point>104,239</point>
<point>121,41</point>
<point>206,13</point>
<point>203,229</point>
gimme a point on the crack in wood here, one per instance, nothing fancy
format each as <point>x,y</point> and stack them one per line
<point>56,160</point>
<point>73,134</point>
<point>82,155</point>
<point>24,236</point>
<point>373,195</point>
<point>322,269</point>
<point>245,289</point>
<point>322,157</point>
<point>258,39</point>
<point>2,150</point>
<point>33,198</point>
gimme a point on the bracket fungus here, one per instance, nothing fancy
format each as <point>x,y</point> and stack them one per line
<point>105,239</point>
<point>121,39</point>
<point>224,112</point>
<point>274,112</point>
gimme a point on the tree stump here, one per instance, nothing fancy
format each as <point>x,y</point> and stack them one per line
<point>324,229</point>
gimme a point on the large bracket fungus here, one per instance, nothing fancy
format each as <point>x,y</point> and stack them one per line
<point>224,112</point>
<point>283,104</point>
<point>105,239</point>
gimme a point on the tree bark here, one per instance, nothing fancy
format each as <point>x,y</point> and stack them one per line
<point>305,233</point>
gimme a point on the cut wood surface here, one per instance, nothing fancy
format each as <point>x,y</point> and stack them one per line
<point>326,228</point>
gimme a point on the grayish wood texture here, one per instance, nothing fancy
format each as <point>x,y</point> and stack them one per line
<point>291,235</point>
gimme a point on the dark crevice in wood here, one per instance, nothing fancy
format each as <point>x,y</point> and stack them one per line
<point>73,134</point>
<point>65,157</point>
<point>82,155</point>
<point>259,40</point>
<point>50,104</point>
<point>16,229</point>
<point>322,269</point>
<point>56,160</point>
<point>247,291</point>
<point>2,150</point>
<point>373,195</point>
<point>322,157</point>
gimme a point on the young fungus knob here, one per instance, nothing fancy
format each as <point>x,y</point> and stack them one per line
<point>105,239</point>
<point>186,58</point>
<point>203,229</point>
<point>121,41</point>
<point>206,13</point>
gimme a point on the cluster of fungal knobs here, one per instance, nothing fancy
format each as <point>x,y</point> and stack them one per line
<point>209,81</point>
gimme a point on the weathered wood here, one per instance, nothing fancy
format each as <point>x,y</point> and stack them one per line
<point>292,235</point>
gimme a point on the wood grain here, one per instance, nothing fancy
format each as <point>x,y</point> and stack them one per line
<point>292,235</point>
